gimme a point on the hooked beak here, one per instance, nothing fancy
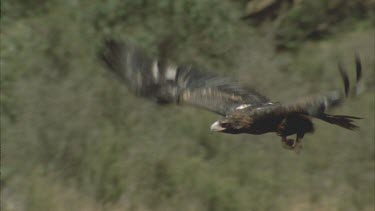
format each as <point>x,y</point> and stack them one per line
<point>216,127</point>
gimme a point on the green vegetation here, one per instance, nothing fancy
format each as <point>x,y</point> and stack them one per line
<point>73,138</point>
<point>317,19</point>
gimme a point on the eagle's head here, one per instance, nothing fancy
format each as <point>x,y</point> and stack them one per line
<point>234,123</point>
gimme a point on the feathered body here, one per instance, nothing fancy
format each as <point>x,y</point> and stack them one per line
<point>243,110</point>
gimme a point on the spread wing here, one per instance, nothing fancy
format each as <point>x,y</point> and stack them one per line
<point>168,83</point>
<point>317,106</point>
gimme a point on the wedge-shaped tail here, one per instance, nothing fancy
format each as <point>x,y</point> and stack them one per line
<point>341,120</point>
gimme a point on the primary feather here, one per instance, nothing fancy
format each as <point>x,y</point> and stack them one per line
<point>169,83</point>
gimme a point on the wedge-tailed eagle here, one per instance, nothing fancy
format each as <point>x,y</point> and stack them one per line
<point>243,110</point>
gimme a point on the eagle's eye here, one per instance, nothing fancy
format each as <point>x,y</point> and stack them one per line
<point>224,124</point>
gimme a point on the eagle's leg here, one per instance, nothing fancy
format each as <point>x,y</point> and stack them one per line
<point>298,143</point>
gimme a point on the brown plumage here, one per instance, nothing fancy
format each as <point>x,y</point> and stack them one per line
<point>243,109</point>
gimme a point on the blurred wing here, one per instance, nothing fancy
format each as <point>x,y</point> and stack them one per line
<point>316,106</point>
<point>172,84</point>
<point>219,95</point>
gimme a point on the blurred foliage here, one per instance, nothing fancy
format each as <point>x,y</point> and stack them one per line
<point>296,21</point>
<point>73,138</point>
<point>315,19</point>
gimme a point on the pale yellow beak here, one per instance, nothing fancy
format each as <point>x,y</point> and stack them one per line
<point>216,127</point>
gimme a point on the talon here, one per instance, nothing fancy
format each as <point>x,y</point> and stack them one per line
<point>288,143</point>
<point>293,144</point>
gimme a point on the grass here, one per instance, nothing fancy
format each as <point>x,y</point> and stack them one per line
<point>73,138</point>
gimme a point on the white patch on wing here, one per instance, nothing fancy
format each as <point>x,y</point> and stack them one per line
<point>171,72</point>
<point>155,70</point>
<point>242,106</point>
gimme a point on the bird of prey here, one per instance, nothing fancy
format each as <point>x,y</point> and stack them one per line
<point>243,110</point>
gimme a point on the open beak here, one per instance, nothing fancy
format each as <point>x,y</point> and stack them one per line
<point>216,127</point>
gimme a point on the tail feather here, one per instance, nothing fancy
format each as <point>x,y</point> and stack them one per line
<point>341,120</point>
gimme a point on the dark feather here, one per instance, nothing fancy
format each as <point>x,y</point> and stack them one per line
<point>169,83</point>
<point>340,120</point>
<point>345,78</point>
<point>358,68</point>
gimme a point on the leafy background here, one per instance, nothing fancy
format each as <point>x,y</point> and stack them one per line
<point>73,138</point>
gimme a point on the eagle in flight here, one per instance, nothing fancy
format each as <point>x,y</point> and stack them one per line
<point>243,110</point>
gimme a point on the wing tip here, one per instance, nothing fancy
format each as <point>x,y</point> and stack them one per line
<point>110,55</point>
<point>345,78</point>
<point>358,65</point>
